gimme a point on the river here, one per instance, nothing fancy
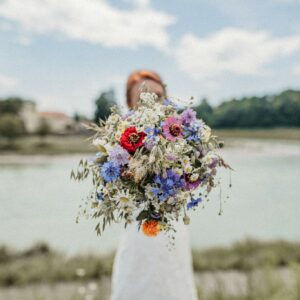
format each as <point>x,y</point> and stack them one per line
<point>39,201</point>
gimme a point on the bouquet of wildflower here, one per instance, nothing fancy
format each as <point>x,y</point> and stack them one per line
<point>153,165</point>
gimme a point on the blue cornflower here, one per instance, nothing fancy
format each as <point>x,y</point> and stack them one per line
<point>152,131</point>
<point>110,171</point>
<point>100,196</point>
<point>167,185</point>
<point>192,133</point>
<point>167,102</point>
<point>151,139</point>
<point>193,203</point>
<point>155,191</point>
<point>119,155</point>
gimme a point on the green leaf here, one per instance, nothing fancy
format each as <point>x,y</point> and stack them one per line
<point>142,215</point>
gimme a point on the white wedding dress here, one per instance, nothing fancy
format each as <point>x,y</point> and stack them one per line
<point>146,268</point>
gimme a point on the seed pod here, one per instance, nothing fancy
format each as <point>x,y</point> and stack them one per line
<point>186,220</point>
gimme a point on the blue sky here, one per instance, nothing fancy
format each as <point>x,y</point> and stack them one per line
<point>63,53</point>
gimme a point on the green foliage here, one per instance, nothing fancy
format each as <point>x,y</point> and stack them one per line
<point>80,117</point>
<point>41,264</point>
<point>287,107</point>
<point>104,103</point>
<point>247,112</point>
<point>247,255</point>
<point>264,284</point>
<point>11,126</point>
<point>204,111</point>
<point>43,128</point>
<point>10,105</point>
<point>281,110</point>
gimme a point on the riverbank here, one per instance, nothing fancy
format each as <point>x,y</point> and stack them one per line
<point>245,270</point>
<point>55,145</point>
<point>263,284</point>
<point>269,134</point>
<point>48,145</point>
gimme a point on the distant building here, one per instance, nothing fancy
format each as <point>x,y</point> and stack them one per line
<point>30,116</point>
<point>58,122</point>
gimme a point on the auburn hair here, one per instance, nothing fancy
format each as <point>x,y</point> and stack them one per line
<point>139,76</point>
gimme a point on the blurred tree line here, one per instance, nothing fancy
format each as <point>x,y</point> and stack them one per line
<point>281,110</point>
<point>11,124</point>
<point>104,103</point>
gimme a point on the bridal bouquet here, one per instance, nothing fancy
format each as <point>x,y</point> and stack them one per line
<point>153,165</point>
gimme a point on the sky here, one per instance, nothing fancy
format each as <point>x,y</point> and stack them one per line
<point>62,54</point>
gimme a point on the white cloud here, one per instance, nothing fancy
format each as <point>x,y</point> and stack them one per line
<point>232,50</point>
<point>94,21</point>
<point>7,81</point>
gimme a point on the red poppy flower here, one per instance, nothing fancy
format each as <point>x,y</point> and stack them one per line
<point>131,139</point>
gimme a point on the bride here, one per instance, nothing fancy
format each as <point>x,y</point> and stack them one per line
<point>146,268</point>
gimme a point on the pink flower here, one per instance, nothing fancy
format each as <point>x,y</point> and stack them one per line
<point>172,128</point>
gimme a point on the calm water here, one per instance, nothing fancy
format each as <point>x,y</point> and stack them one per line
<point>39,202</point>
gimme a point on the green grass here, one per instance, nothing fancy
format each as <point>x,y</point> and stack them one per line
<point>42,264</point>
<point>247,255</point>
<point>247,270</point>
<point>266,284</point>
<point>270,134</point>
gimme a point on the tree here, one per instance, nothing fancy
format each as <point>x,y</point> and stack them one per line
<point>287,108</point>
<point>245,113</point>
<point>11,105</point>
<point>204,111</point>
<point>103,105</point>
<point>11,126</point>
<point>43,129</point>
<point>77,117</point>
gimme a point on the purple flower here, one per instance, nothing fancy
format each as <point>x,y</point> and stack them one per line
<point>170,156</point>
<point>119,155</point>
<point>193,203</point>
<point>150,143</point>
<point>188,117</point>
<point>214,163</point>
<point>189,184</point>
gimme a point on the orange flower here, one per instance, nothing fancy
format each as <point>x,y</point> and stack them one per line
<point>151,228</point>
